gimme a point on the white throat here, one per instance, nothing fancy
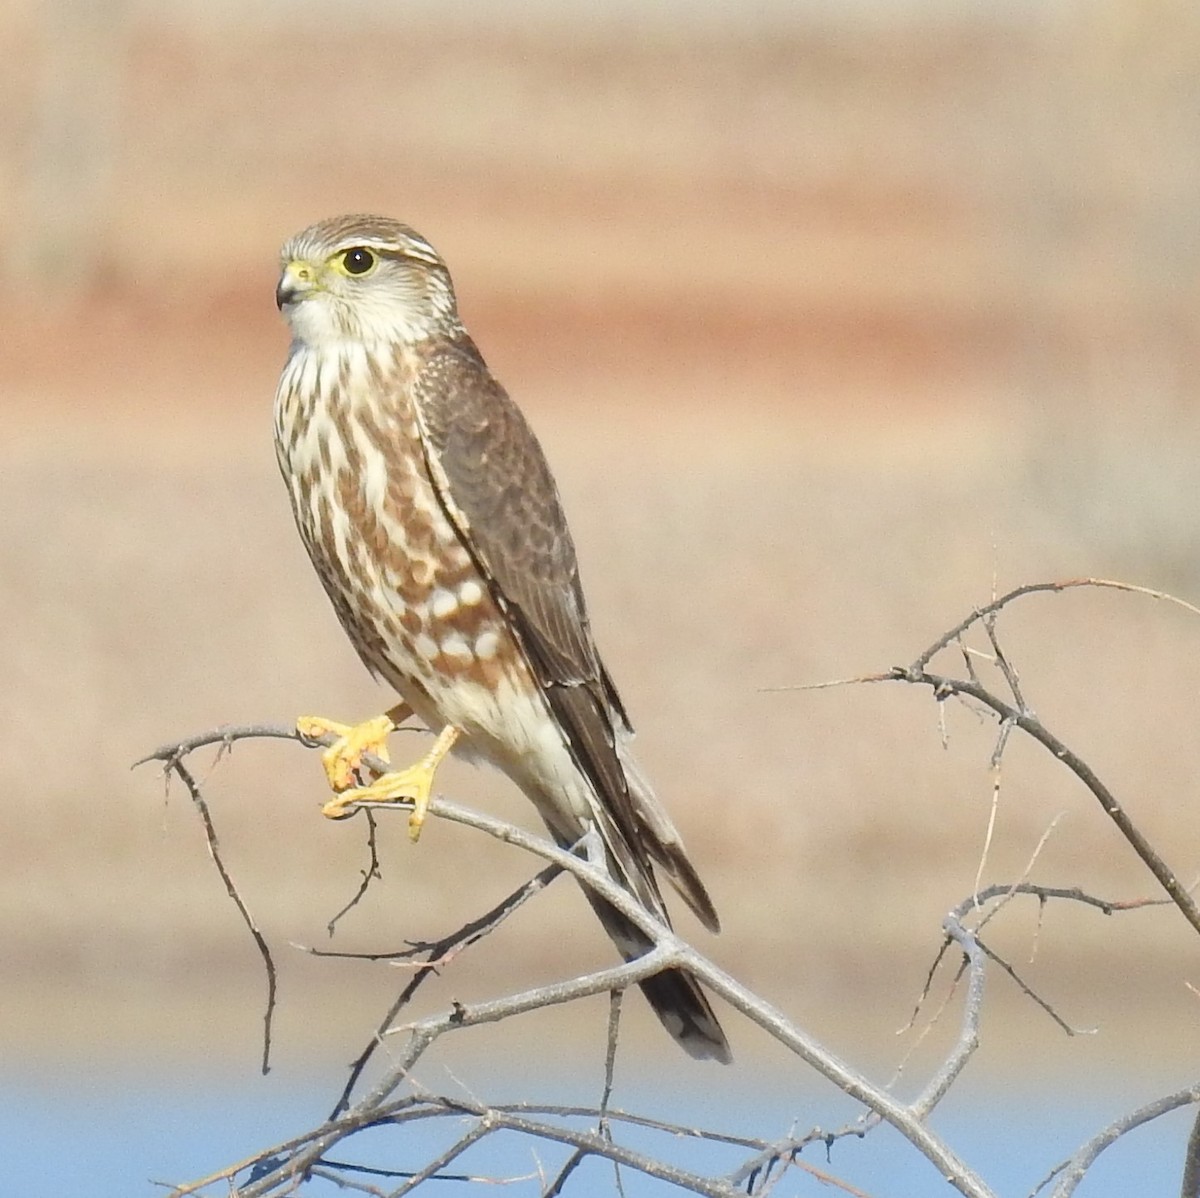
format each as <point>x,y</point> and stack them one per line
<point>321,323</point>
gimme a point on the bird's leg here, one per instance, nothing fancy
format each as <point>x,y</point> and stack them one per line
<point>413,785</point>
<point>345,755</point>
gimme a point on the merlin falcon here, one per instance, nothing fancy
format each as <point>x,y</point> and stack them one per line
<point>429,511</point>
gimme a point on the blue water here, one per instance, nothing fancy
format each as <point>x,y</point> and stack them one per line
<point>92,1134</point>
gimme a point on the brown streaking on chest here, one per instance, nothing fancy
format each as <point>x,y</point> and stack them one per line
<point>403,584</point>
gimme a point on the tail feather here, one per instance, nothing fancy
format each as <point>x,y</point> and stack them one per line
<point>674,995</point>
<point>662,841</point>
<point>637,833</point>
<point>676,998</point>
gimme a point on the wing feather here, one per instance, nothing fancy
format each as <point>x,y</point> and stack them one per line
<point>496,488</point>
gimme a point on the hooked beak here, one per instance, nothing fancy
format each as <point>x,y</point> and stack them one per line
<point>297,281</point>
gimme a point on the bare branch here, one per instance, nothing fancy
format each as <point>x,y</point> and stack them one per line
<point>214,851</point>
<point>225,735</point>
<point>1191,1164</point>
<point>370,874</point>
<point>435,1166</point>
<point>396,1098</point>
<point>669,951</point>
<point>438,953</point>
<point>1071,1172</point>
<point>1032,994</point>
<point>1036,588</point>
<point>1005,666</point>
<point>943,687</point>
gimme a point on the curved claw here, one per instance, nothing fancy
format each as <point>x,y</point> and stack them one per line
<point>345,755</point>
<point>411,786</point>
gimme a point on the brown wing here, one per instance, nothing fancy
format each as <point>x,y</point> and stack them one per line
<point>496,487</point>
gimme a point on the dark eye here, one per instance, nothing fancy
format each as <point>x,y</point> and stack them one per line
<point>358,260</point>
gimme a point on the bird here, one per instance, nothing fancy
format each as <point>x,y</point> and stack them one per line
<point>431,516</point>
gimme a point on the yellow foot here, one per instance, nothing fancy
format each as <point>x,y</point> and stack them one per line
<point>413,785</point>
<point>345,755</point>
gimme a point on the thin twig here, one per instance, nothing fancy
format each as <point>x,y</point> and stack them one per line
<point>369,874</point>
<point>280,1170</point>
<point>1003,664</point>
<point>1030,993</point>
<point>438,951</point>
<point>927,985</point>
<point>482,1128</point>
<point>1071,1172</point>
<point>1191,1164</point>
<point>1015,888</point>
<point>214,851</point>
<point>555,1186</point>
<point>226,736</point>
<point>956,633</point>
<point>603,1125</point>
<point>1036,588</point>
<point>617,1115</point>
<point>932,1021</point>
<point>943,686</point>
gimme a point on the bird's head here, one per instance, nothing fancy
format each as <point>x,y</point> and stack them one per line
<point>365,279</point>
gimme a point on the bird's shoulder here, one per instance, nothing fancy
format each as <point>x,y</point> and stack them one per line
<point>494,480</point>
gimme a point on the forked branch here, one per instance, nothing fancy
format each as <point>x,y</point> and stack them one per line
<point>397,1097</point>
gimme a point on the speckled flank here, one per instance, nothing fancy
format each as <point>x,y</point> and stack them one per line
<point>382,545</point>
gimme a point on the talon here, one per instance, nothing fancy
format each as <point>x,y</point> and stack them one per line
<point>345,755</point>
<point>342,805</point>
<point>413,785</point>
<point>313,727</point>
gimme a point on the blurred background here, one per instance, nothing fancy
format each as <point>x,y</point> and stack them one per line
<point>833,318</point>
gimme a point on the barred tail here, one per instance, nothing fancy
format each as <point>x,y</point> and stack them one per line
<point>674,994</point>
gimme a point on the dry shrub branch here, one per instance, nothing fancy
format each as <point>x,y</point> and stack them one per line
<point>754,1166</point>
